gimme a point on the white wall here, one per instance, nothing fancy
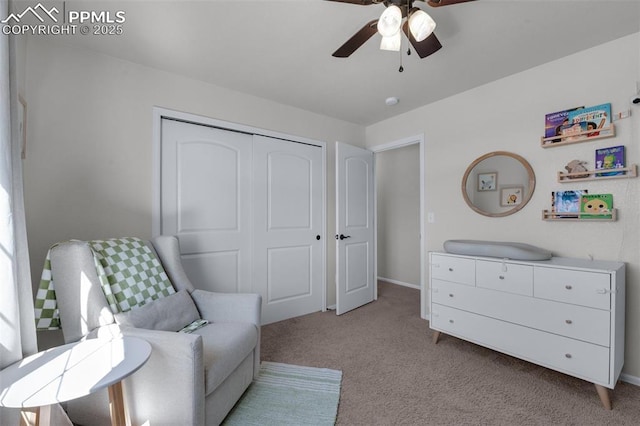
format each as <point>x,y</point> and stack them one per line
<point>398,214</point>
<point>508,114</point>
<point>88,171</point>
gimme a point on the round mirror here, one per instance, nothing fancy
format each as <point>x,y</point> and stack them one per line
<point>498,184</point>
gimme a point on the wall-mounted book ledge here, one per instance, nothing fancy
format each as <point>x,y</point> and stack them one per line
<point>619,173</point>
<point>568,217</point>
<point>578,137</point>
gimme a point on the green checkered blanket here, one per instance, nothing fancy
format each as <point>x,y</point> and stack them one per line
<point>130,276</point>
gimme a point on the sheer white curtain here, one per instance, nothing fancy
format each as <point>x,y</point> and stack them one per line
<point>17,327</point>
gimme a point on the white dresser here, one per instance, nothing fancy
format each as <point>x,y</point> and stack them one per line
<point>564,314</point>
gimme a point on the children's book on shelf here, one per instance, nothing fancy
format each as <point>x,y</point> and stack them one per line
<point>599,206</point>
<point>610,158</point>
<point>567,202</point>
<point>591,120</point>
<point>554,121</point>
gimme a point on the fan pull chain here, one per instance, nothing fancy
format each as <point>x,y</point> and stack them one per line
<point>400,51</point>
<point>408,32</point>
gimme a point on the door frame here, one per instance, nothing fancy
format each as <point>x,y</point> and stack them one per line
<point>411,140</point>
<point>160,113</point>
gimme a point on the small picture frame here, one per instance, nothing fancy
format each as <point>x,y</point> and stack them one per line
<point>487,181</point>
<point>511,195</point>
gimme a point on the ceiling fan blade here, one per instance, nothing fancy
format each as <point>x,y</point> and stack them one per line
<point>360,2</point>
<point>425,47</point>
<point>438,3</point>
<point>357,40</point>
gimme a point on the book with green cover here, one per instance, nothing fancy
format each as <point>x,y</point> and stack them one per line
<point>597,206</point>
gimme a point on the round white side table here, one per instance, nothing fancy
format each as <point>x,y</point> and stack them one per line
<point>72,371</point>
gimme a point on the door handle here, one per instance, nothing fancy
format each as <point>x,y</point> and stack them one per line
<point>342,236</point>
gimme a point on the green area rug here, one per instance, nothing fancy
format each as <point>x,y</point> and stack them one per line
<point>286,394</point>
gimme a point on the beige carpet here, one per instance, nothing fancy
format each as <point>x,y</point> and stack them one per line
<point>394,375</point>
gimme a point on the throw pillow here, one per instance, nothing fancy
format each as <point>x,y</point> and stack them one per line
<point>170,313</point>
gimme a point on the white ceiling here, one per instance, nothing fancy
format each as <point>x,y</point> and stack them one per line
<point>281,50</point>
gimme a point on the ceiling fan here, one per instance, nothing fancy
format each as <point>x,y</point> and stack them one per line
<point>418,27</point>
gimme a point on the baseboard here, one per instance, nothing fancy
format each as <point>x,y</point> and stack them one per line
<point>389,280</point>
<point>630,379</point>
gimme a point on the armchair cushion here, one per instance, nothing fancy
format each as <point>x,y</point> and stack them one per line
<point>170,313</point>
<point>225,346</point>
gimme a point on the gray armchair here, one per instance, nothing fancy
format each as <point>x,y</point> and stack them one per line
<point>190,379</point>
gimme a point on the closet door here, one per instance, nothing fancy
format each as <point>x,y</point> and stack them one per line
<point>288,210</point>
<point>206,202</point>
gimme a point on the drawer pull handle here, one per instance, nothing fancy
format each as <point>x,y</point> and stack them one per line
<point>451,321</point>
<point>450,294</point>
<point>568,321</point>
<point>568,287</point>
<point>567,356</point>
<point>450,269</point>
<point>501,277</point>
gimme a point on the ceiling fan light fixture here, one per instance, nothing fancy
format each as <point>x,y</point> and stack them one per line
<point>392,42</point>
<point>390,21</point>
<point>421,25</point>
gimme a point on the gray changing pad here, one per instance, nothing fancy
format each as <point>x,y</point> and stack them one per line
<point>504,250</point>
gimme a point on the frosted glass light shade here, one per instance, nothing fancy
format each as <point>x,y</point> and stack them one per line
<point>392,42</point>
<point>421,25</point>
<point>390,20</point>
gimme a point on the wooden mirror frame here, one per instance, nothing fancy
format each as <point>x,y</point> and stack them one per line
<point>525,200</point>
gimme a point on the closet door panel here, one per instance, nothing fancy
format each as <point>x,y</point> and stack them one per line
<point>206,202</point>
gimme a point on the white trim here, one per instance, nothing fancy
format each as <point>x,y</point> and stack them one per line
<point>156,161</point>
<point>634,380</point>
<point>402,283</point>
<point>412,140</point>
<point>159,113</point>
<point>324,226</point>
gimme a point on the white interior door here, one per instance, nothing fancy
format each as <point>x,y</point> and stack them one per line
<point>206,190</point>
<point>288,230</point>
<point>355,238</point>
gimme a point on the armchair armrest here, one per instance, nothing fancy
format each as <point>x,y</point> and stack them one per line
<point>232,307</point>
<point>169,388</point>
<point>229,307</point>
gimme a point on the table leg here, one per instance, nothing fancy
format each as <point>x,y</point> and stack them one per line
<point>119,415</point>
<point>39,416</point>
<point>603,393</point>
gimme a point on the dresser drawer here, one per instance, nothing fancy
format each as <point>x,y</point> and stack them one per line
<point>504,276</point>
<point>455,269</point>
<point>576,287</point>
<point>584,360</point>
<point>577,322</point>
